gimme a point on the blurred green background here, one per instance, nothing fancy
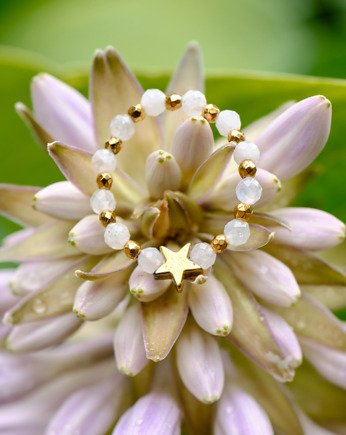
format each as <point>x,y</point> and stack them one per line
<point>249,47</point>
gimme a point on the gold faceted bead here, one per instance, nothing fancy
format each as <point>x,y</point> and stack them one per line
<point>114,144</point>
<point>236,136</point>
<point>243,211</point>
<point>219,243</point>
<point>210,112</point>
<point>107,217</point>
<point>132,249</point>
<point>136,112</point>
<point>173,102</point>
<point>247,168</point>
<point>104,180</point>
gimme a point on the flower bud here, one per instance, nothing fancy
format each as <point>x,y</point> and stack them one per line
<point>62,200</point>
<point>162,173</point>
<point>145,287</point>
<point>192,144</point>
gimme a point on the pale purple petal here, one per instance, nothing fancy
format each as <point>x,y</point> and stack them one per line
<point>62,200</point>
<point>267,277</point>
<point>96,299</point>
<point>199,363</point>
<point>154,414</point>
<point>291,142</point>
<point>187,76</point>
<point>238,413</point>
<point>38,335</point>
<point>128,343</point>
<point>90,410</point>
<point>63,112</point>
<point>285,338</point>
<point>330,363</point>
<point>211,306</point>
<point>88,236</point>
<point>145,287</point>
<point>314,230</point>
<point>7,299</point>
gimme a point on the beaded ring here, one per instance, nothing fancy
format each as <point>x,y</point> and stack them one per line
<point>187,263</point>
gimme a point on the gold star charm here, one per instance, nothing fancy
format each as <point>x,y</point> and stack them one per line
<point>177,266</point>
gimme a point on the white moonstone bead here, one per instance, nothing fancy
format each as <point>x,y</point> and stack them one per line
<point>227,121</point>
<point>101,200</point>
<point>150,259</point>
<point>193,103</point>
<point>122,127</point>
<point>203,255</point>
<point>153,102</point>
<point>104,161</point>
<point>246,151</point>
<point>116,235</point>
<point>248,190</point>
<point>237,232</point>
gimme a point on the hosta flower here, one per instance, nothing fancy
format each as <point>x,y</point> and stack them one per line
<point>233,336</point>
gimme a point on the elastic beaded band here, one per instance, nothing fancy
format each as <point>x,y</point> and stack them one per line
<point>187,263</point>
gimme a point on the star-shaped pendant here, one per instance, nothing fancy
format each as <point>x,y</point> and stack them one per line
<point>177,266</point>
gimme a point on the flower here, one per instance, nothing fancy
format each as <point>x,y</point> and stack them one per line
<point>234,336</point>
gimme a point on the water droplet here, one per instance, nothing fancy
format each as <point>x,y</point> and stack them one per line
<point>39,306</point>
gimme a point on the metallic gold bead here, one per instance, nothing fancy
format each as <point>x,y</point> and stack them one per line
<point>114,144</point>
<point>247,168</point>
<point>132,249</point>
<point>210,112</point>
<point>173,102</point>
<point>107,217</point>
<point>243,211</point>
<point>219,243</point>
<point>104,180</point>
<point>236,136</point>
<point>136,112</point>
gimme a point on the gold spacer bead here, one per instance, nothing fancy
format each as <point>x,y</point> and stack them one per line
<point>107,217</point>
<point>136,112</point>
<point>210,112</point>
<point>173,102</point>
<point>247,168</point>
<point>236,136</point>
<point>243,211</point>
<point>114,144</point>
<point>219,243</point>
<point>104,180</point>
<point>132,249</point>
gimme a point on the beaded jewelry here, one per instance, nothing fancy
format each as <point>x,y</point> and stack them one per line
<point>187,263</point>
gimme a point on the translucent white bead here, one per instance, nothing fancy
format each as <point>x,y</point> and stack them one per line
<point>237,232</point>
<point>246,151</point>
<point>248,190</point>
<point>116,235</point>
<point>153,102</point>
<point>227,121</point>
<point>122,127</point>
<point>101,200</point>
<point>150,259</point>
<point>203,255</point>
<point>193,103</point>
<point>104,161</point>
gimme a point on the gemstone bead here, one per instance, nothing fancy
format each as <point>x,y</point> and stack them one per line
<point>116,235</point>
<point>203,255</point>
<point>101,200</point>
<point>193,103</point>
<point>237,232</point>
<point>122,127</point>
<point>248,190</point>
<point>153,102</point>
<point>150,259</point>
<point>104,161</point>
<point>219,243</point>
<point>226,121</point>
<point>246,151</point>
